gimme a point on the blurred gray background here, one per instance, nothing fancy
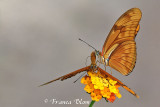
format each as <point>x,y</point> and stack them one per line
<point>39,42</point>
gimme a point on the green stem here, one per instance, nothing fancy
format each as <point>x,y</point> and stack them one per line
<point>91,104</point>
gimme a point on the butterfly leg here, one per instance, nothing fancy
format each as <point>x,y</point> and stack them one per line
<point>79,77</point>
<point>86,60</point>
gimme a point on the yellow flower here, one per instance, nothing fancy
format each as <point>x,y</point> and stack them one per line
<point>112,81</point>
<point>100,86</point>
<point>86,80</point>
<point>89,88</point>
<point>106,92</point>
<point>113,89</point>
<point>96,95</point>
<point>118,95</point>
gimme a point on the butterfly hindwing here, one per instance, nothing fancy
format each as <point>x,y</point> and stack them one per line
<point>123,58</point>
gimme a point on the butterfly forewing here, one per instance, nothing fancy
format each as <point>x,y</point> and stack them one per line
<point>123,33</point>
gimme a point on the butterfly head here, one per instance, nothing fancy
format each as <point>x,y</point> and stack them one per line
<point>93,67</point>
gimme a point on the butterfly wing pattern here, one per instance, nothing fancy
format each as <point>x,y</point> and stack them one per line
<point>119,49</point>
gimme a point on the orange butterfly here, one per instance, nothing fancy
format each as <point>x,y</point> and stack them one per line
<point>93,67</point>
<point>119,49</point>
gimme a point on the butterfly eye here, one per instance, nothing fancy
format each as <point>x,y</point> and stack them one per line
<point>95,66</point>
<point>91,66</point>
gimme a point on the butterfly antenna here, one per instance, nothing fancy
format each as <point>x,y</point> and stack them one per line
<point>79,78</point>
<point>87,44</point>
